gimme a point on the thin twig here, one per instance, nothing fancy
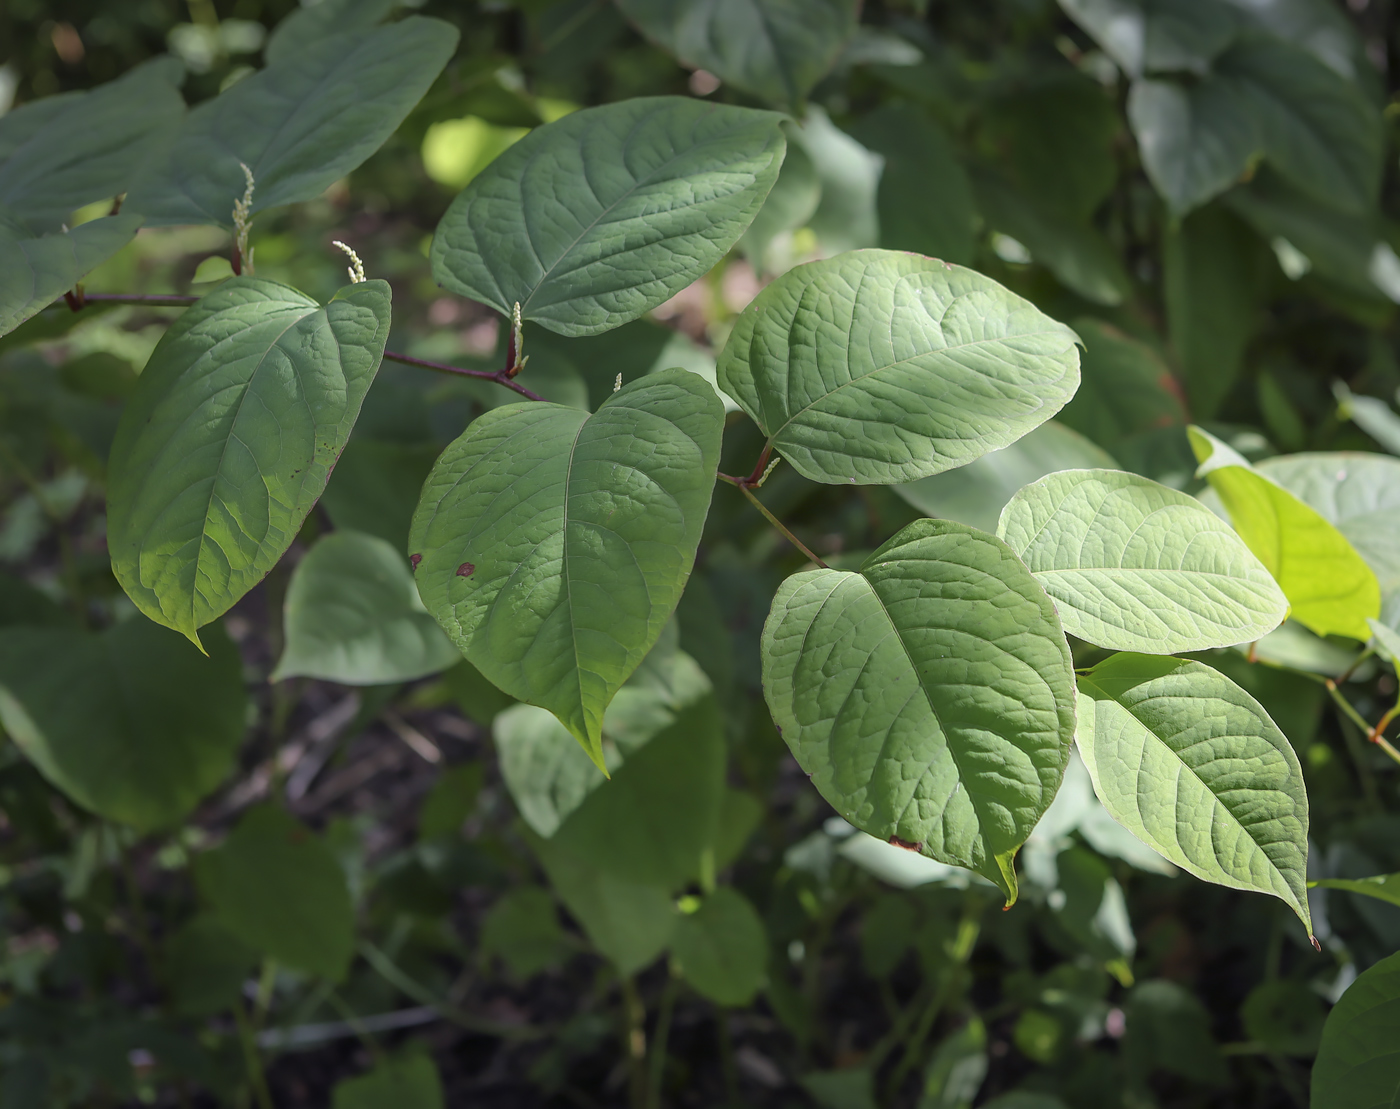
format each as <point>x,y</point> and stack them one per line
<point>498,376</point>
<point>743,487</point>
<point>151,300</point>
<point>1372,734</point>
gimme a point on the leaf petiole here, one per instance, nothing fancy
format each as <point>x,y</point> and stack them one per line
<point>743,487</point>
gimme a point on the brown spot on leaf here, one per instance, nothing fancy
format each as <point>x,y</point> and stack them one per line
<point>414,560</point>
<point>465,570</point>
<point>904,843</point>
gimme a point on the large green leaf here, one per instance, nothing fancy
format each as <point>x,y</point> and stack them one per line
<point>1150,36</point>
<point>353,616</point>
<point>722,948</point>
<point>1358,1061</point>
<point>1326,581</point>
<point>976,493</point>
<point>301,124</point>
<point>553,546</point>
<point>310,23</point>
<point>925,198</point>
<point>662,188</point>
<point>279,889</point>
<point>230,437</point>
<point>39,269</point>
<point>1126,388</point>
<point>883,367</point>
<point>1360,495</point>
<point>62,152</point>
<point>775,49</point>
<point>1383,887</point>
<point>131,723</point>
<point>929,696</point>
<point>1192,765</point>
<point>1135,566</point>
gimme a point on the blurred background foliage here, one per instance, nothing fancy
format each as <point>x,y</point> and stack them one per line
<point>1257,299</point>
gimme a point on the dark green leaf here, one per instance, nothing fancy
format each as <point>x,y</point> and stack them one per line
<point>375,486</point>
<point>666,187</point>
<point>155,729</point>
<point>957,1070</point>
<point>407,1082</point>
<point>523,929</point>
<point>1169,1029</point>
<point>278,888</point>
<point>1126,388</point>
<point>1284,1016</point>
<point>310,23</point>
<point>1150,36</point>
<point>1358,1061</point>
<point>722,948</point>
<point>204,967</point>
<point>230,437</point>
<point>40,269</point>
<point>450,801</point>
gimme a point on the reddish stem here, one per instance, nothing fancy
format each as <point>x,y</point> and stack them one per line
<point>500,377</point>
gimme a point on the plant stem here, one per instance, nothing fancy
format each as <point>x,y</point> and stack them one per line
<point>656,1061</point>
<point>498,376</point>
<point>1373,734</point>
<point>921,1031</point>
<point>634,1016</point>
<point>151,300</point>
<point>742,486</point>
<point>251,1059</point>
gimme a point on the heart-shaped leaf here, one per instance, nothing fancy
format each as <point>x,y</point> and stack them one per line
<point>1192,765</point>
<point>1135,566</point>
<point>353,616</point>
<point>662,188</point>
<point>722,948</point>
<point>881,367</point>
<point>62,152</point>
<point>553,546</point>
<point>40,269</point>
<point>230,437</point>
<point>154,730</point>
<point>930,696</point>
<point>1358,1060</point>
<point>1326,581</point>
<point>774,49</point>
<point>300,125</point>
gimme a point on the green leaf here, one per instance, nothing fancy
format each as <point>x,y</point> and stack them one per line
<point>407,1082</point>
<point>886,931</point>
<point>40,269</point>
<point>375,486</point>
<point>1079,256</point>
<point>847,215</point>
<point>851,1088</point>
<point>664,187</point>
<point>882,367</point>
<point>1169,1029</point>
<point>630,923</point>
<point>872,681</point>
<point>925,199</point>
<point>523,929</point>
<point>660,813</point>
<point>279,889</point>
<point>1358,1061</point>
<point>556,566</point>
<point>230,437</point>
<point>775,49</point>
<point>1359,494</point>
<point>309,24</point>
<point>1135,566</point>
<point>1371,414</point>
<point>155,729</point>
<point>1126,388</point>
<point>1192,765</point>
<point>353,616</point>
<point>204,966</point>
<point>62,152</point>
<point>722,948</point>
<point>450,801</point>
<point>957,1070</point>
<point>1213,271</point>
<point>1326,581</point>
<point>790,204</point>
<point>976,493</point>
<point>1285,1016</point>
<point>301,124</point>
<point>1148,36</point>
<point>21,603</point>
<point>1383,887</point>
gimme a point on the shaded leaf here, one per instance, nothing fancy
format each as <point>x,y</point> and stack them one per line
<point>1358,1060</point>
<point>1383,887</point>
<point>667,187</point>
<point>204,967</point>
<point>1169,1029</point>
<point>1135,566</point>
<point>864,674</point>
<point>230,437</point>
<point>883,367</point>
<point>301,124</point>
<point>407,1082</point>
<point>278,888</point>
<point>353,616</point>
<point>523,929</point>
<point>1126,388</point>
<point>1148,36</point>
<point>847,215</point>
<point>155,729</point>
<point>1284,1016</point>
<point>309,24</point>
<point>1192,765</point>
<point>722,948</point>
<point>556,566</point>
<point>957,1070</point>
<point>375,486</point>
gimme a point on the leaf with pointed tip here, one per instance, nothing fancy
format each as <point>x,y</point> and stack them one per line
<point>1326,581</point>
<point>62,152</point>
<point>930,696</point>
<point>775,49</point>
<point>1358,1060</point>
<point>1135,566</point>
<point>1192,765</point>
<point>882,367</point>
<point>353,616</point>
<point>553,546</point>
<point>661,188</point>
<point>230,437</point>
<point>300,125</point>
<point>310,23</point>
<point>41,268</point>
<point>1383,887</point>
<point>156,726</point>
